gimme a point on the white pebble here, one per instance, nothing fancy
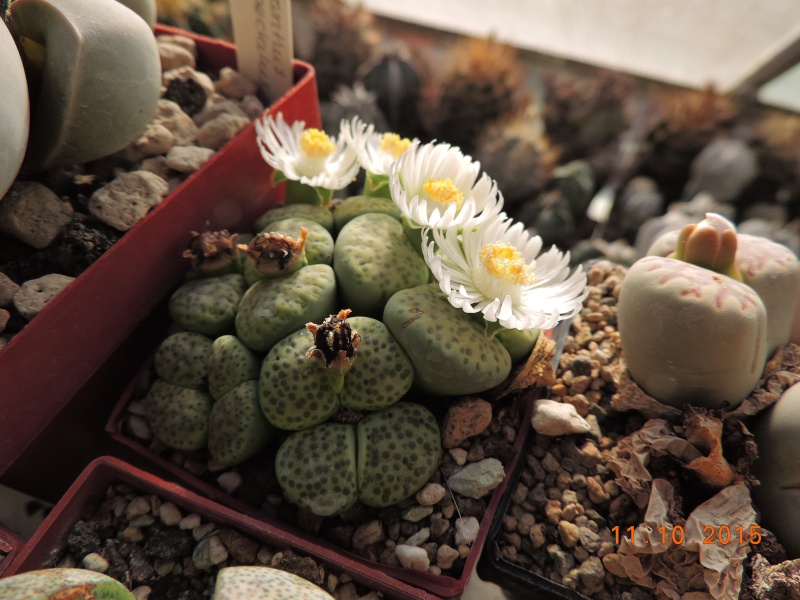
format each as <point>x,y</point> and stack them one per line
<point>466,530</point>
<point>230,481</point>
<point>190,521</point>
<point>95,562</point>
<point>558,418</point>
<point>412,557</point>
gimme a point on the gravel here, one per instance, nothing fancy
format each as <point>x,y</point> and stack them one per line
<point>162,552</point>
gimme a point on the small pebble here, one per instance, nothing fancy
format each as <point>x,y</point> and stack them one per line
<point>234,85</point>
<point>466,530</point>
<point>188,159</point>
<point>465,418</point>
<point>32,213</point>
<point>412,557</point>
<point>35,294</point>
<point>431,494</point>
<point>170,514</point>
<point>94,562</point>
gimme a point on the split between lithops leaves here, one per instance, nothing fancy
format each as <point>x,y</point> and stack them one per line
<point>710,244</point>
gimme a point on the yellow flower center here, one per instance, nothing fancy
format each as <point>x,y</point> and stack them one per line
<point>393,144</point>
<point>316,144</point>
<point>506,263</point>
<point>443,191</point>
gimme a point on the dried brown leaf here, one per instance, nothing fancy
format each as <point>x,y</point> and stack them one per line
<point>704,431</point>
<point>781,372</point>
<point>538,369</point>
<point>630,396</point>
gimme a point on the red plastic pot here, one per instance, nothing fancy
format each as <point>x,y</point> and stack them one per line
<point>91,485</point>
<point>59,375</point>
<point>442,586</point>
<point>10,546</point>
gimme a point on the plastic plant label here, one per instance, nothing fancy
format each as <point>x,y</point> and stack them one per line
<point>262,32</point>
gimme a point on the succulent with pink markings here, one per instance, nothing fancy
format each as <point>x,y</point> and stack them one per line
<point>691,333</point>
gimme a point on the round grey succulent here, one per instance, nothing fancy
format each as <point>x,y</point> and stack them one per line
<point>373,260</point>
<point>208,305</point>
<point>230,364</point>
<point>178,416</point>
<point>237,429</point>
<point>273,308</point>
<point>183,359</point>
<point>451,352</point>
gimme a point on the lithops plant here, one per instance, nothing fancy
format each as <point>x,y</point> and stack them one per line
<point>385,458</point>
<point>355,206</point>
<point>14,111</point>
<point>208,305</point>
<point>778,468</point>
<point>264,583</point>
<point>691,332</point>
<point>271,309</point>
<point>183,359</point>
<point>451,352</point>
<point>237,429</point>
<point>320,214</point>
<point>230,363</point>
<point>98,80</point>
<point>373,259</point>
<point>364,368</point>
<point>51,584</point>
<point>318,244</point>
<point>178,415</point>
<point>213,253</point>
<point>771,269</point>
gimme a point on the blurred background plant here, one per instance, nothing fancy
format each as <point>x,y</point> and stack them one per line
<point>555,134</point>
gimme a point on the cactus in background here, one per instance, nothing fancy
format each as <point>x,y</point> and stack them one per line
<point>397,85</point>
<point>691,335</point>
<point>688,120</point>
<point>724,168</point>
<point>518,155</point>
<point>264,583</point>
<point>342,42</point>
<point>483,84</point>
<point>583,116</point>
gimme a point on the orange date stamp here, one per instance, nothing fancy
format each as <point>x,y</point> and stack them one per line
<point>721,534</point>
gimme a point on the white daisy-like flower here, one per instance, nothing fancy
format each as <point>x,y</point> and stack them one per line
<point>436,186</point>
<point>309,156</point>
<point>494,267</point>
<point>377,152</point>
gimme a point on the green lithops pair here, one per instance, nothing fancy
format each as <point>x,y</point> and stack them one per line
<point>690,331</point>
<point>207,395</point>
<point>296,393</point>
<point>340,369</point>
<point>373,259</point>
<point>385,458</point>
<point>48,584</point>
<point>264,583</point>
<point>451,351</point>
<point>208,305</point>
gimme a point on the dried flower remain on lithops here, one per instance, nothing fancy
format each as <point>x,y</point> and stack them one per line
<point>435,185</point>
<point>275,253</point>
<point>495,268</point>
<point>335,343</point>
<point>308,156</point>
<point>212,251</point>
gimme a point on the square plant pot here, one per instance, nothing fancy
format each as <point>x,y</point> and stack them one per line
<point>10,547</point>
<point>441,585</point>
<point>90,489</point>
<point>56,359</point>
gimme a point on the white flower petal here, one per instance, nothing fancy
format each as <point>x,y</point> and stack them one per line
<point>454,256</point>
<point>279,145</point>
